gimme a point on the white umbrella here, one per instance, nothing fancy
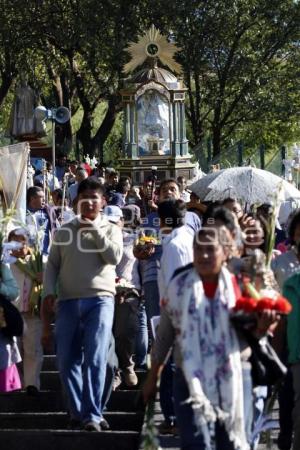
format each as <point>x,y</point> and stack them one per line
<point>247,184</point>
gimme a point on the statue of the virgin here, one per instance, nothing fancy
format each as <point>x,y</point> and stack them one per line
<point>22,121</point>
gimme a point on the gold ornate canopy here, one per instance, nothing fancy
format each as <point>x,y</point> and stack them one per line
<point>152,45</point>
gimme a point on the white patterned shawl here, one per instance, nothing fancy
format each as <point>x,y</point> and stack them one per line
<point>210,353</point>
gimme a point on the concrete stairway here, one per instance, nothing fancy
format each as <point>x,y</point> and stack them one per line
<point>34,423</point>
<point>171,442</point>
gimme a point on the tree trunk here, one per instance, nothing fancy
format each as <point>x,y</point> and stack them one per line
<point>194,111</point>
<point>216,141</point>
<point>217,129</point>
<point>63,131</point>
<point>84,134</point>
<point>105,129</point>
<point>66,101</point>
<point>191,110</point>
<point>6,81</point>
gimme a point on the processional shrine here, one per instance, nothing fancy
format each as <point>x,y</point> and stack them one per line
<point>154,112</point>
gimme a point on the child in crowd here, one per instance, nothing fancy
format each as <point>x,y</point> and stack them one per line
<point>29,281</point>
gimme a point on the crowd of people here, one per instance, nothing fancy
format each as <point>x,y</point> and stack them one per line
<point>105,261</point>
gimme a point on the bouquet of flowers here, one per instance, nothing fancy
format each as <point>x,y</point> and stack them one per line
<point>32,265</point>
<point>259,290</point>
<point>255,301</point>
<point>33,268</point>
<point>144,240</point>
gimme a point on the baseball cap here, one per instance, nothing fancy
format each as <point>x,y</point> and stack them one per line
<point>113,213</point>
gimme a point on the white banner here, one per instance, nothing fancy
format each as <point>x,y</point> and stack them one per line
<point>13,177</point>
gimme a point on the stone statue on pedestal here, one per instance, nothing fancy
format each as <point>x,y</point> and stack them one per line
<point>22,121</point>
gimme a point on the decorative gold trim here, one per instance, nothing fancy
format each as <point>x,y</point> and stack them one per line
<point>139,51</point>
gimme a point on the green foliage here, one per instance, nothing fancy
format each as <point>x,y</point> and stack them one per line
<point>4,115</point>
<point>240,62</point>
<point>113,144</point>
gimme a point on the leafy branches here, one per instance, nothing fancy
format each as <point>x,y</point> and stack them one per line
<point>240,61</point>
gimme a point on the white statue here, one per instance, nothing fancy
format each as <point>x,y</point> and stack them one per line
<point>22,121</point>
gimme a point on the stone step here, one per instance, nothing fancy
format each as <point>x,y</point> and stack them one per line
<point>72,440</point>
<point>50,380</point>
<point>49,401</point>
<point>121,421</point>
<point>49,363</point>
<point>32,423</point>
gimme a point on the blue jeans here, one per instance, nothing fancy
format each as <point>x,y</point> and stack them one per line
<point>151,295</point>
<point>83,331</point>
<point>248,400</point>
<point>141,343</point>
<point>111,369</point>
<point>190,439</point>
<point>260,394</point>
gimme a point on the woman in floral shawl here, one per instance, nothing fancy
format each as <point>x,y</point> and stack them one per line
<point>195,319</point>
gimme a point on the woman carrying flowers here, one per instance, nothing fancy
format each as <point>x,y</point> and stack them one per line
<point>195,319</point>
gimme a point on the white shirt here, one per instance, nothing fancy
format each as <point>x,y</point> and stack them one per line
<point>73,191</point>
<point>177,252</point>
<point>185,196</point>
<point>128,267</point>
<point>51,182</point>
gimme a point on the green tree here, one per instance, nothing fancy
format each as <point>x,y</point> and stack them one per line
<point>238,57</point>
<point>240,63</point>
<point>11,52</point>
<point>86,40</point>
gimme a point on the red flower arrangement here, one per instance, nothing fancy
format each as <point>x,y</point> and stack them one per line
<point>253,300</point>
<point>246,304</point>
<point>250,304</point>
